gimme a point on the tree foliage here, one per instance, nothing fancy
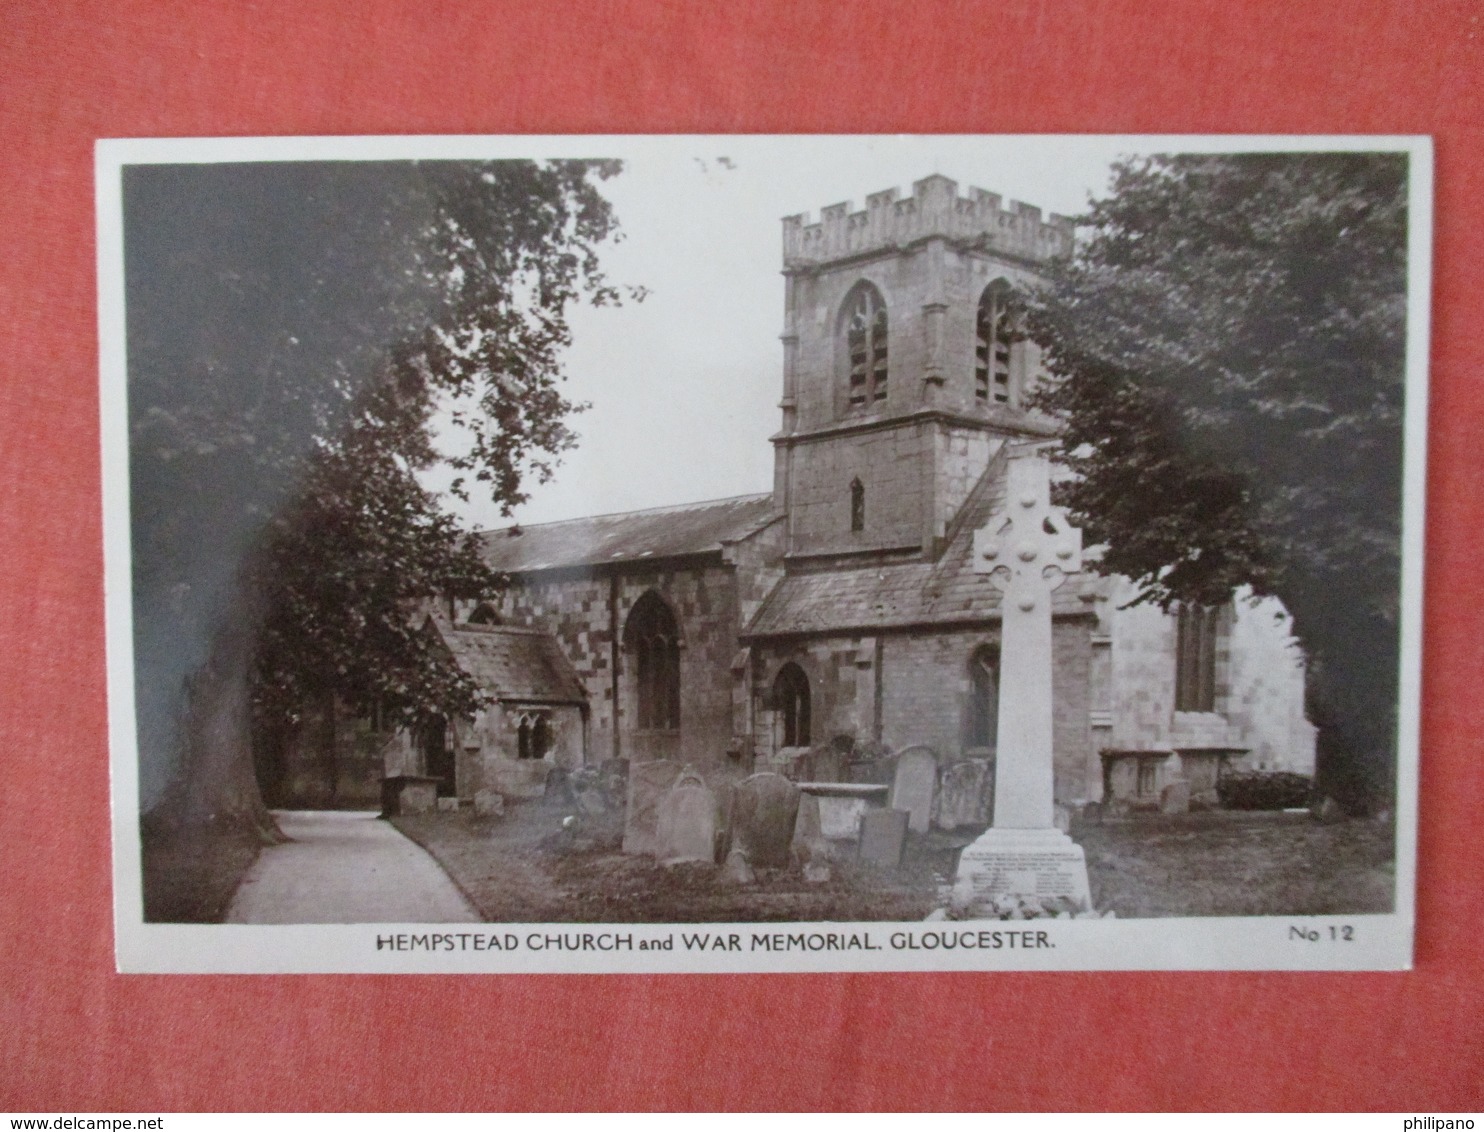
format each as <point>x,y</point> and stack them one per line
<point>296,332</point>
<point>1229,346</point>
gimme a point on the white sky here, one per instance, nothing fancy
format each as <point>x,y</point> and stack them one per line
<point>685,386</point>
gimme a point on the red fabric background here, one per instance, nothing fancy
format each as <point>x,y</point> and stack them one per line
<point>73,1035</point>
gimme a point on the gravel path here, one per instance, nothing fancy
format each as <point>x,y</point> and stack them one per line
<point>346,868</point>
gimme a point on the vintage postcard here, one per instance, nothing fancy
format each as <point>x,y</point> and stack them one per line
<point>708,554</point>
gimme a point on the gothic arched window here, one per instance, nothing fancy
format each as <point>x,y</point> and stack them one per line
<point>484,614</point>
<point>864,324</point>
<point>857,505</point>
<point>533,737</point>
<point>994,332</point>
<point>791,700</point>
<point>984,697</point>
<point>653,640</point>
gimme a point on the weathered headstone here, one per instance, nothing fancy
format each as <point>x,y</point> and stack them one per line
<point>764,807</point>
<point>809,843</point>
<point>489,803</point>
<point>1023,859</point>
<point>736,870</point>
<point>685,825</point>
<point>559,786</point>
<point>408,794</point>
<point>1175,798</point>
<point>448,805</point>
<point>883,837</point>
<point>825,764</point>
<point>914,786</point>
<point>964,796</point>
<point>647,784</point>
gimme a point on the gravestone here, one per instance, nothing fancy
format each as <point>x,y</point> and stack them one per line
<point>764,808</point>
<point>685,824</point>
<point>647,784</point>
<point>809,843</point>
<point>408,794</point>
<point>964,797</point>
<point>914,785</point>
<point>736,870</point>
<point>1027,550</point>
<point>489,803</point>
<point>883,837</point>
<point>824,764</point>
<point>1175,798</point>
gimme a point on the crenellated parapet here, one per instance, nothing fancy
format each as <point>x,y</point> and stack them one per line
<point>891,222</point>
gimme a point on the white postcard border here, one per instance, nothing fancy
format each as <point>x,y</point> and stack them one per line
<point>1368,942</point>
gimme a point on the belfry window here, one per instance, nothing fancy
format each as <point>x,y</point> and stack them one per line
<point>653,640</point>
<point>857,505</point>
<point>1195,658</point>
<point>994,332</point>
<point>791,697</point>
<point>984,697</point>
<point>865,342</point>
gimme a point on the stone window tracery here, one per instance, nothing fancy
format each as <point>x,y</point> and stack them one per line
<point>533,736</point>
<point>484,614</point>
<point>866,345</point>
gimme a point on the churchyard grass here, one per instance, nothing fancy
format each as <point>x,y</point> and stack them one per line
<point>1231,863</point>
<point>191,873</point>
<point>527,867</point>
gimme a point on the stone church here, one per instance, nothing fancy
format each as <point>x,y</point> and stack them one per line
<point>822,627</point>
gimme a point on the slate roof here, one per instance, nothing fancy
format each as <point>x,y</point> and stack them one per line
<point>512,663</point>
<point>871,597</point>
<point>662,532</point>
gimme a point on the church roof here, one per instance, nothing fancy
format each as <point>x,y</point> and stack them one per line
<point>661,532</point>
<point>879,596</point>
<point>513,664</point>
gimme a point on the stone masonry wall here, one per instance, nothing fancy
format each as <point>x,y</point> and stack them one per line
<point>1259,685</point>
<point>925,692</point>
<point>841,689</point>
<point>576,607</point>
<point>1266,704</point>
<point>892,466</point>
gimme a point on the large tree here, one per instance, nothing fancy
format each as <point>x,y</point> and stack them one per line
<point>1228,342</point>
<point>295,332</point>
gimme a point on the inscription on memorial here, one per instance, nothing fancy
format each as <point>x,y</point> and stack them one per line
<point>1027,874</point>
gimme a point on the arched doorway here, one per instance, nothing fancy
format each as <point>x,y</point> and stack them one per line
<point>791,701</point>
<point>438,755</point>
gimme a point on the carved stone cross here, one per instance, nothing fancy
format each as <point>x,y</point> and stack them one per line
<point>1028,549</point>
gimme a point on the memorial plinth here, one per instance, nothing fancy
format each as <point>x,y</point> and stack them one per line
<point>1023,861</point>
<point>1009,869</point>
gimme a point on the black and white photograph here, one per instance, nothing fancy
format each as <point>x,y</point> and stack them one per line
<point>753,553</point>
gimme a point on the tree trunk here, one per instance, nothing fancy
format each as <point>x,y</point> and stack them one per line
<point>218,784</point>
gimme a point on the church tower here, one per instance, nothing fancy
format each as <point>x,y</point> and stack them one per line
<point>903,367</point>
